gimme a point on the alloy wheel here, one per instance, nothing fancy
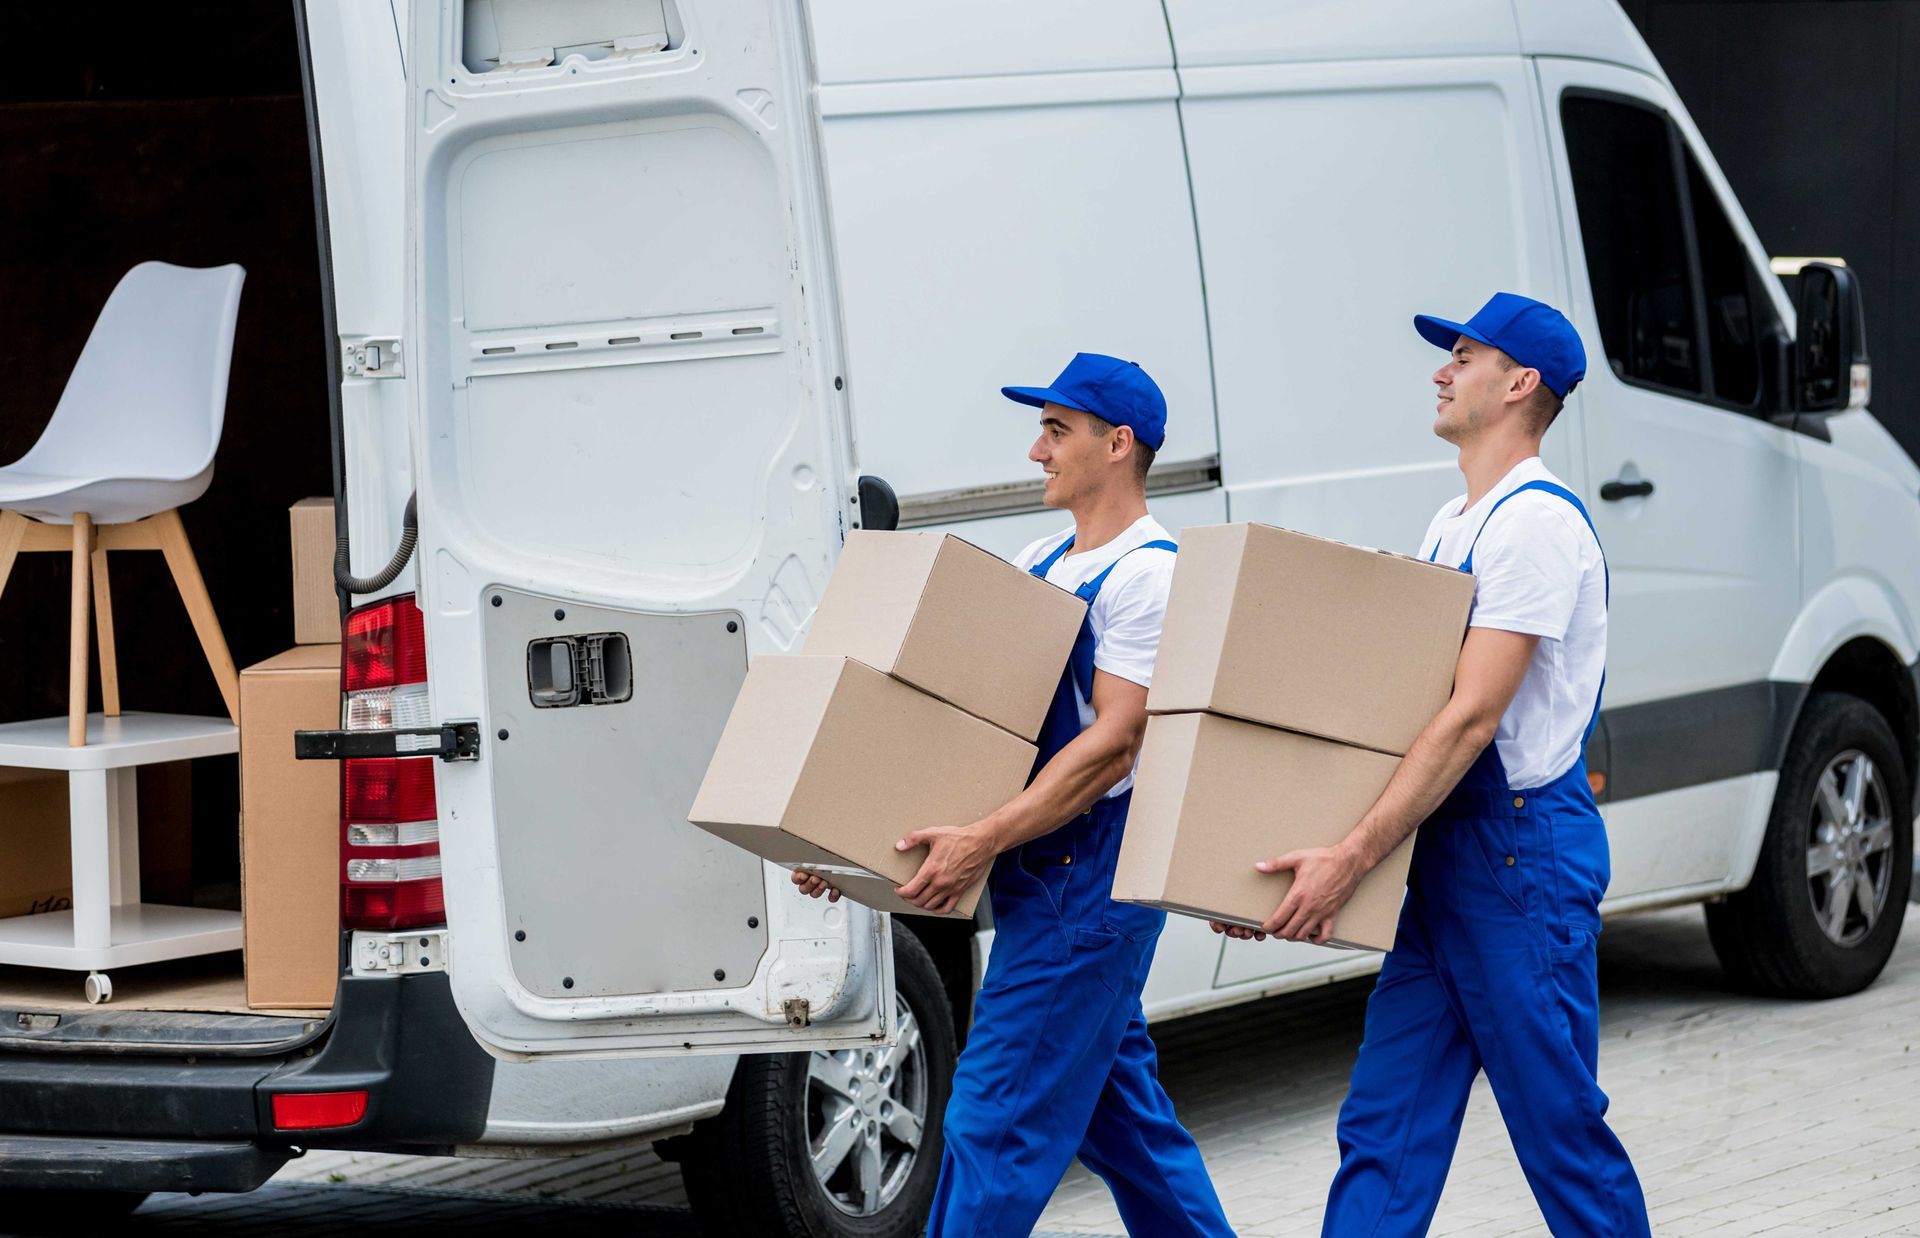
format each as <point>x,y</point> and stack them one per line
<point>1850,848</point>
<point>866,1114</point>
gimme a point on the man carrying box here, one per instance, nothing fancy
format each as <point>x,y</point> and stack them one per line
<point>1058,1062</point>
<point>1494,965</point>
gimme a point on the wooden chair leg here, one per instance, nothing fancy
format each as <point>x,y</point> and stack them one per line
<point>103,634</point>
<point>80,634</point>
<point>13,531</point>
<point>193,592</point>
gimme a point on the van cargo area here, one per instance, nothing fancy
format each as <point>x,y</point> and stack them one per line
<point>180,136</point>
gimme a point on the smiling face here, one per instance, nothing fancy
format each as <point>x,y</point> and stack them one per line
<point>1478,386</point>
<point>1078,458</point>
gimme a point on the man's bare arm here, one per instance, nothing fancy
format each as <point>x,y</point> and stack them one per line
<point>1491,666</point>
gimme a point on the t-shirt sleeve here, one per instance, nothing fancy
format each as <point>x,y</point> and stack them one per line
<point>1527,572</point>
<point>1133,606</point>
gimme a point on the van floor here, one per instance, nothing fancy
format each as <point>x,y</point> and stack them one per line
<point>211,984</point>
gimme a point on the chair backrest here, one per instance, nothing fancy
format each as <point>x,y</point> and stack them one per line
<point>149,394</point>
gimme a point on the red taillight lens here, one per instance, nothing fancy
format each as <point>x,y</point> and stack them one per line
<point>389,821</point>
<point>384,645</point>
<point>387,789</point>
<point>307,1111</point>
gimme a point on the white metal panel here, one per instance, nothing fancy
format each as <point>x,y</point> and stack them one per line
<point>1217,32</point>
<point>1007,536</point>
<point>360,100</point>
<point>885,40</point>
<point>984,247</point>
<point>625,366</point>
<point>1588,29</point>
<point>1334,203</point>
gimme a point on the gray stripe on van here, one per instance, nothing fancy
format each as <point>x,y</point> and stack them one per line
<point>1702,737</point>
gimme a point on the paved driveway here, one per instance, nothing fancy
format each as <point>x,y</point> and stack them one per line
<point>1744,1115</point>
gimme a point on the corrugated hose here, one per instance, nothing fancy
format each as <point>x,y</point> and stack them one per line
<point>343,563</point>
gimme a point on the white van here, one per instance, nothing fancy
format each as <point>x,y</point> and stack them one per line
<point>642,304</point>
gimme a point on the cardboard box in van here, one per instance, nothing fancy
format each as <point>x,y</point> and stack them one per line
<point>289,831</point>
<point>316,608</point>
<point>1294,631</point>
<point>952,620</point>
<point>1213,795</point>
<point>826,762</point>
<point>36,862</point>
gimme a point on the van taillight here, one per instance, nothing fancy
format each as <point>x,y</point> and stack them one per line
<point>389,823</point>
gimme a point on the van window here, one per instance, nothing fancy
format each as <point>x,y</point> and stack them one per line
<point>1733,311</point>
<point>1636,243</point>
<point>1661,256</point>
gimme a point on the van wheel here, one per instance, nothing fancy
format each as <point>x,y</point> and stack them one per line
<point>833,1143</point>
<point>1828,895</point>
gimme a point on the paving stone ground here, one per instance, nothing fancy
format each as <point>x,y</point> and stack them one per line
<point>1744,1115</point>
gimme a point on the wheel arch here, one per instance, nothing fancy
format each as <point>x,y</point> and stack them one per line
<point>1870,669</point>
<point>1853,635</point>
<point>950,942</point>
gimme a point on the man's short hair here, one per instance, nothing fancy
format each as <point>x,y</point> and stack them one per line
<point>1142,454</point>
<point>1542,406</point>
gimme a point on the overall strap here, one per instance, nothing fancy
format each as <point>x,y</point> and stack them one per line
<point>1080,664</point>
<point>1606,574</point>
<point>1091,589</point>
<point>1045,565</point>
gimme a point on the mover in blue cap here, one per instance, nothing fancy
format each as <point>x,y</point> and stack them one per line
<point>1493,967</point>
<point>1058,1062</point>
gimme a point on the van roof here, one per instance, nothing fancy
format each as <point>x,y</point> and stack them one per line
<point>1241,32</point>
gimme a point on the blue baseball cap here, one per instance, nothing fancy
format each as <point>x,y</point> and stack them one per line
<point>1533,333</point>
<point>1109,388</point>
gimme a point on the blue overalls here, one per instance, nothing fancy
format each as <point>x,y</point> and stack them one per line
<point>1493,969</point>
<point>1058,1062</point>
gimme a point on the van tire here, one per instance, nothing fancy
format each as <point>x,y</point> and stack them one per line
<point>1767,936</point>
<point>747,1170</point>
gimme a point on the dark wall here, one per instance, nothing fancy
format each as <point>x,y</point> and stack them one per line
<point>173,132</point>
<point>1812,108</point>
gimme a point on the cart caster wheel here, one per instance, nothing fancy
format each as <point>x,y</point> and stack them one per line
<point>99,987</point>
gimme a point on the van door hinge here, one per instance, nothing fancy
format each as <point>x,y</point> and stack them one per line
<point>400,954</point>
<point>371,356</point>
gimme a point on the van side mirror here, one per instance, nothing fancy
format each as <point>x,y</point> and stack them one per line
<point>1831,372</point>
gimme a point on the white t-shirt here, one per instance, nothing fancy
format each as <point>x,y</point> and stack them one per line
<point>1130,609</point>
<point>1537,570</point>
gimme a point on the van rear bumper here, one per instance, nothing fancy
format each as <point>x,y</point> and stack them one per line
<point>78,1163</point>
<point>117,1121</point>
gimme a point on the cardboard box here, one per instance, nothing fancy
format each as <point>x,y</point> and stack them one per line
<point>290,831</point>
<point>825,763</point>
<point>1213,795</point>
<point>1299,632</point>
<point>951,619</point>
<point>316,608</point>
<point>36,862</point>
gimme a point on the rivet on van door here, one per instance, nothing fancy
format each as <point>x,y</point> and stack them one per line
<point>505,36</point>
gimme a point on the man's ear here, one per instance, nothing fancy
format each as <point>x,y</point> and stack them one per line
<point>1521,385</point>
<point>1116,445</point>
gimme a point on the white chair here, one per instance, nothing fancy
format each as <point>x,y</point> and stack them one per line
<point>131,441</point>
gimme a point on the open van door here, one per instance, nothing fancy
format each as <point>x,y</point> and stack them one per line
<point>633,473</point>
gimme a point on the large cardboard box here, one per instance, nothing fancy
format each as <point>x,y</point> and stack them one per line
<point>1315,636</point>
<point>826,762</point>
<point>290,831</point>
<point>36,862</point>
<point>1213,795</point>
<point>316,608</point>
<point>952,620</point>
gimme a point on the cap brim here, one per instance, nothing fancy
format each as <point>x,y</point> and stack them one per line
<point>1039,397</point>
<point>1442,333</point>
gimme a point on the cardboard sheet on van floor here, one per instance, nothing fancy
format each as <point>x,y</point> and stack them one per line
<point>951,619</point>
<point>826,762</point>
<point>209,984</point>
<point>1213,795</point>
<point>1294,631</point>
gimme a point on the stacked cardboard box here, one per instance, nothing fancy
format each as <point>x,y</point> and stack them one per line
<point>1293,675</point>
<point>923,682</point>
<point>290,810</point>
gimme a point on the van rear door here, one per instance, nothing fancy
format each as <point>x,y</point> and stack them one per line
<point>633,473</point>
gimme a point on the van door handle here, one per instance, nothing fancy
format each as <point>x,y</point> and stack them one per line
<point>1614,491</point>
